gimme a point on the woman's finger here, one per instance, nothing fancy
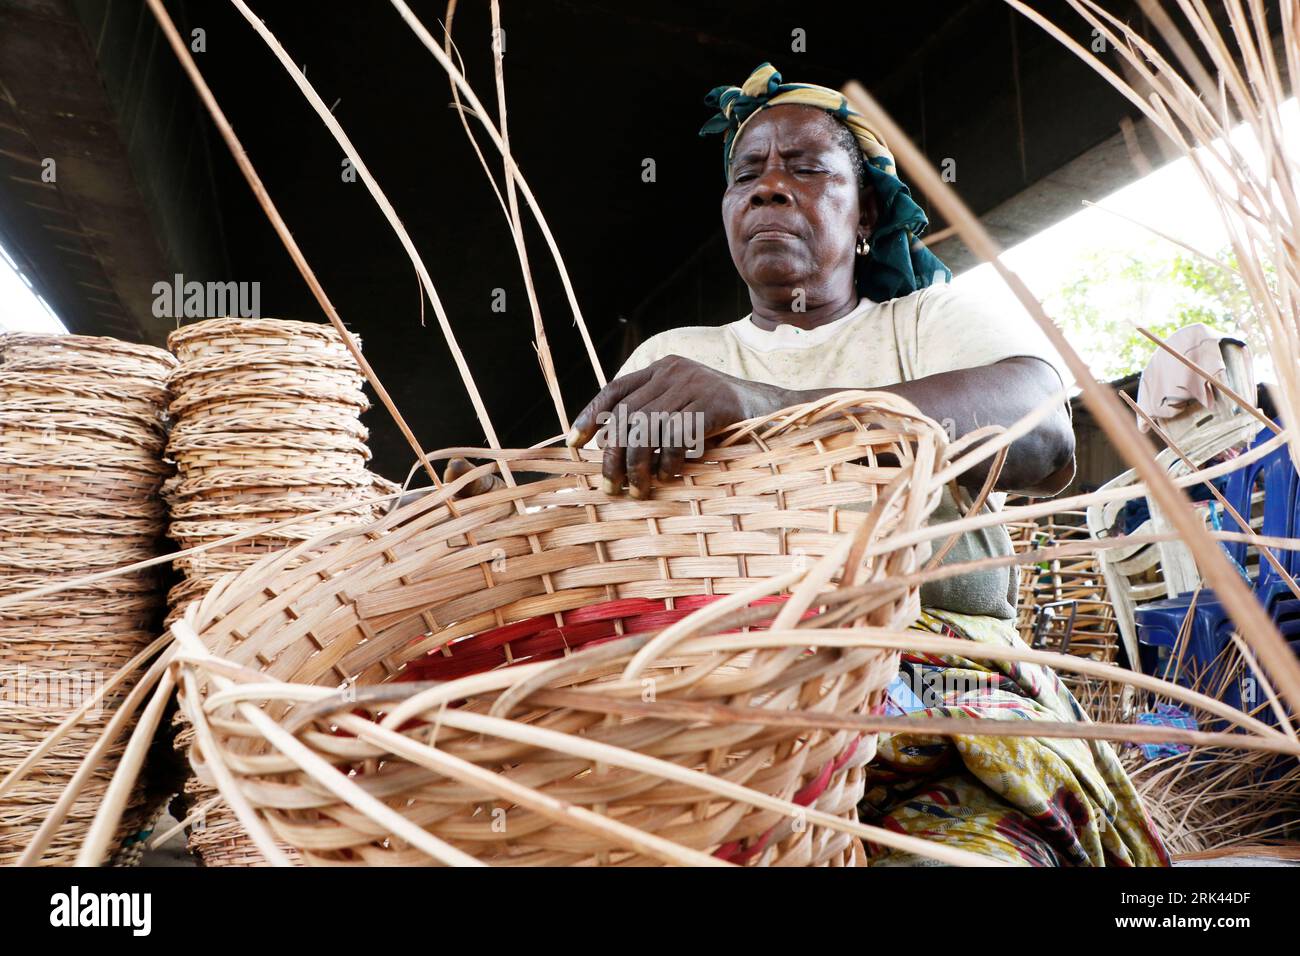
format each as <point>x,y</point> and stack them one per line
<point>638,469</point>
<point>687,436</point>
<point>586,424</point>
<point>671,461</point>
<point>613,469</point>
<point>626,455</point>
<point>652,408</point>
<point>457,467</point>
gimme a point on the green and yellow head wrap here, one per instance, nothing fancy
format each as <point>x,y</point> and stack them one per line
<point>898,263</point>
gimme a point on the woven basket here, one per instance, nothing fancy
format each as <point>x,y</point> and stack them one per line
<point>97,418</point>
<point>262,412</point>
<point>266,429</point>
<point>226,336</point>
<point>272,391</point>
<point>275,506</point>
<point>100,352</point>
<point>82,433</point>
<point>113,489</point>
<point>549,585</point>
<point>189,443</point>
<point>1076,586</point>
<point>128,398</point>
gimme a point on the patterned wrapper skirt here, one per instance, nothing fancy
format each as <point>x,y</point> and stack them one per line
<point>1023,800</point>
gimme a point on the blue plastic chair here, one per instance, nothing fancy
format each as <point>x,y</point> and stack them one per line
<point>1281,488</point>
<point>1159,622</point>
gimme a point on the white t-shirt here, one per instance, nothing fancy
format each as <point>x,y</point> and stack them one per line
<point>936,329</point>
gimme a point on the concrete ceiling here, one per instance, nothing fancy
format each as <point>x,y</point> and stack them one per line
<point>67,210</point>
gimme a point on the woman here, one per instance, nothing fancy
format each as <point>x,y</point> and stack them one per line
<point>824,235</point>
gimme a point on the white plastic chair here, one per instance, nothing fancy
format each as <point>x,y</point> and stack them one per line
<point>1239,376</point>
<point>1127,569</point>
<point>1201,433</point>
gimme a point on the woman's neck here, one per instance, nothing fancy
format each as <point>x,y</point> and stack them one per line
<point>767,315</point>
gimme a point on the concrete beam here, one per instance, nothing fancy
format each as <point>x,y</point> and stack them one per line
<point>86,236</point>
<point>1112,164</point>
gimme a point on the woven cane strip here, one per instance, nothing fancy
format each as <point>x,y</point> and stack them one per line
<point>268,481</point>
<point>140,606</point>
<point>248,376</point>
<point>36,430</point>
<point>55,526</point>
<point>115,419</point>
<point>192,533</point>
<point>75,366</point>
<point>222,461</point>
<point>32,446</point>
<point>54,418</point>
<point>24,809</point>
<point>267,358</point>
<point>306,440</point>
<point>268,508</point>
<point>272,382</point>
<point>52,557</point>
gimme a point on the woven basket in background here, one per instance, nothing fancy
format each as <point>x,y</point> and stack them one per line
<point>81,441</point>
<point>266,428</point>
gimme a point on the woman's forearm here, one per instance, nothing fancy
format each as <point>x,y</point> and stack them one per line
<point>1039,463</point>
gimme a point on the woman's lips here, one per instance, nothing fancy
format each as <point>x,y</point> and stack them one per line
<point>772,235</point>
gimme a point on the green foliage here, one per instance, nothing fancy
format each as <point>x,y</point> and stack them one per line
<point>1163,291</point>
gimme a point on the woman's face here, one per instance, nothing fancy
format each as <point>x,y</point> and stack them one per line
<point>792,209</point>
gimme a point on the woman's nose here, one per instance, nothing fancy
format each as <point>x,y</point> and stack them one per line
<point>771,188</point>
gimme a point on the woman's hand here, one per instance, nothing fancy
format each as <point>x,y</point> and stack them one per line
<point>455,468</point>
<point>479,486</point>
<point>668,408</point>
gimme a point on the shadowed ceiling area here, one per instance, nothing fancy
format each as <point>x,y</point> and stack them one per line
<point>594,89</point>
